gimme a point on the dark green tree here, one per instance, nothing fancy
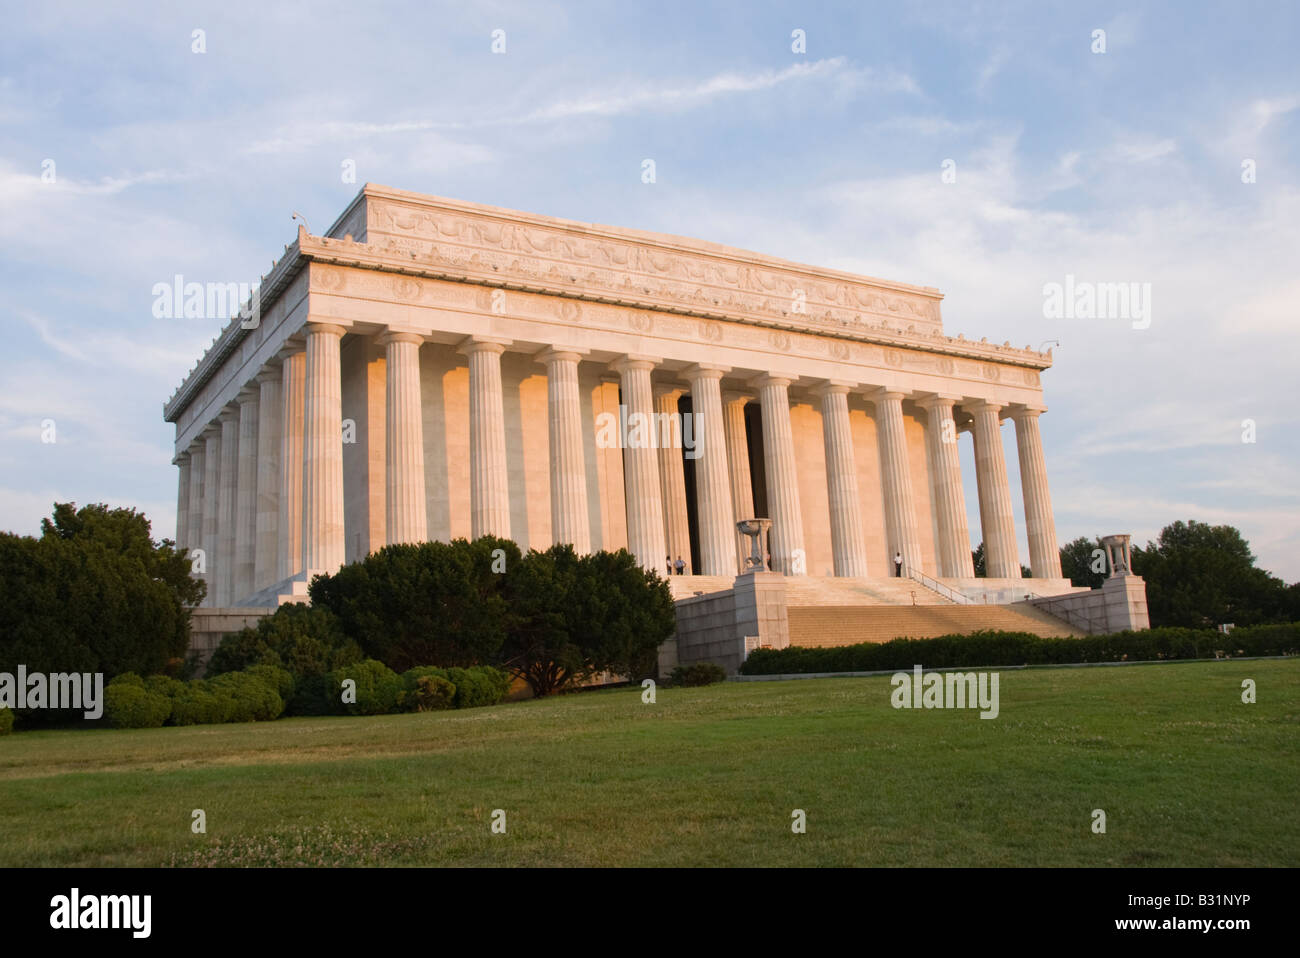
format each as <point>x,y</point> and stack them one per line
<point>578,616</point>
<point>95,593</point>
<point>981,569</point>
<point>1081,566</point>
<point>432,603</point>
<point>1200,575</point>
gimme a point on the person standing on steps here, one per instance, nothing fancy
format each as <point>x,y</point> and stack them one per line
<point>681,566</point>
<point>898,564</point>
<point>668,561</point>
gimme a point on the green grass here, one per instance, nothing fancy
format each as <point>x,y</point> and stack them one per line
<point>1186,773</point>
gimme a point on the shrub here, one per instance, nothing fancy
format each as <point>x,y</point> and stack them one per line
<point>127,678</point>
<point>479,685</point>
<point>195,705</point>
<point>987,649</point>
<point>127,705</point>
<point>277,678</point>
<point>299,638</point>
<point>255,697</point>
<point>379,689</point>
<point>6,721</point>
<point>315,695</point>
<point>431,694</point>
<point>698,673</point>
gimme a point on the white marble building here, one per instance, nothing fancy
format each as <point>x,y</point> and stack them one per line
<point>433,369</point>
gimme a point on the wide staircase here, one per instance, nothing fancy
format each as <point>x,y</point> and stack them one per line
<point>824,626</point>
<point>830,611</point>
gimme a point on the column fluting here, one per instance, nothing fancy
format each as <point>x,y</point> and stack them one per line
<point>672,475</point>
<point>896,480</point>
<point>322,459</point>
<point>405,509</point>
<point>997,521</point>
<point>712,482</point>
<point>270,411</point>
<point>645,519</point>
<point>742,491</point>
<point>246,496</point>
<point>569,521</point>
<point>289,520</point>
<point>786,538</point>
<point>1040,524</point>
<point>847,544</point>
<point>489,479</point>
<point>225,558</point>
<point>946,495</point>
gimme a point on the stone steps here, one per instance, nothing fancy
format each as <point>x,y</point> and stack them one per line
<point>830,626</point>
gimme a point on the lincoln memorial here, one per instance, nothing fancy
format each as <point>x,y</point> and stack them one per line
<point>434,369</point>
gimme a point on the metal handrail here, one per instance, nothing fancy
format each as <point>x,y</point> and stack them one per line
<point>949,593</point>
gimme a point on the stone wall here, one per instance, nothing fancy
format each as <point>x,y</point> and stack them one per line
<point>723,627</point>
<point>209,626</point>
<point>1120,603</point>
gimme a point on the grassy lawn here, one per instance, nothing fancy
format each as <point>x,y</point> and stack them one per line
<point>1186,773</point>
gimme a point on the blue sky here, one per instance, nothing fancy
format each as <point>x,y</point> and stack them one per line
<point>1123,166</point>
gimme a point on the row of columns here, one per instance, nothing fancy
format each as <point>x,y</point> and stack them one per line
<point>261,491</point>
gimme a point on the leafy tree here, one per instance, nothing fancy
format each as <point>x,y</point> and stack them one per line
<point>1200,575</point>
<point>432,603</point>
<point>303,640</point>
<point>95,593</point>
<point>577,616</point>
<point>1077,562</point>
<point>981,569</point>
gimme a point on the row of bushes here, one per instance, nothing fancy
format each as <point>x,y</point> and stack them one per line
<point>264,692</point>
<point>257,695</point>
<point>992,648</point>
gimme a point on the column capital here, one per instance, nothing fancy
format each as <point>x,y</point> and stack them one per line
<point>399,336</point>
<point>181,457</point>
<point>983,405</point>
<point>635,361</point>
<point>773,379</point>
<point>730,396</point>
<point>667,389</point>
<point>705,371</point>
<point>269,374</point>
<point>830,387</point>
<point>884,392</point>
<point>211,431</point>
<point>931,401</point>
<point>318,327</point>
<point>1020,411</point>
<point>250,394</point>
<point>483,344</point>
<point>229,413</point>
<point>293,346</point>
<point>554,354</point>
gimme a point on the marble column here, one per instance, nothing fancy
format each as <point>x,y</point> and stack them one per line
<point>289,509</point>
<point>225,558</point>
<point>847,544</point>
<point>404,510</point>
<point>714,513</point>
<point>645,518</point>
<point>742,492</point>
<point>246,495</point>
<point>896,480</point>
<point>672,474</point>
<point>569,520</point>
<point>946,495</point>
<point>211,493</point>
<point>1044,555</point>
<point>322,451</point>
<point>182,501</point>
<point>785,542</point>
<point>270,411</point>
<point>194,525</point>
<point>489,493</point>
<point>1001,560</point>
